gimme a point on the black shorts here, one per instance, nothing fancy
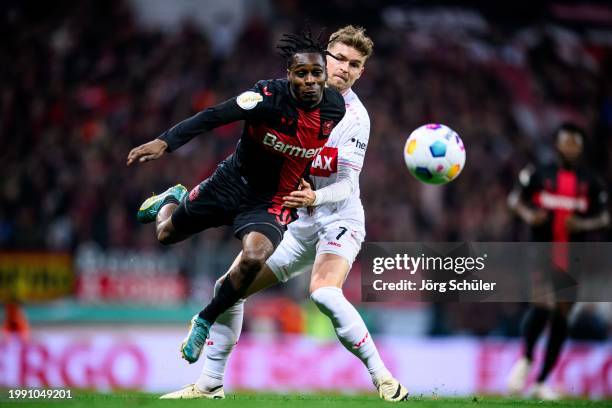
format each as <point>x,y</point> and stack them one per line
<point>225,198</point>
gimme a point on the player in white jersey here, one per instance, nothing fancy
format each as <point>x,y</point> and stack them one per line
<point>336,225</point>
<point>325,239</point>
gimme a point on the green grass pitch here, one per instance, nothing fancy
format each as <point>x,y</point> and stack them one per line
<point>247,400</point>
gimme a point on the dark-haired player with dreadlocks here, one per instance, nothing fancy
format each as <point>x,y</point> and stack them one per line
<point>324,241</point>
<point>287,122</point>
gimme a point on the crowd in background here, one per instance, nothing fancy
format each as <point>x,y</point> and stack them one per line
<point>80,87</point>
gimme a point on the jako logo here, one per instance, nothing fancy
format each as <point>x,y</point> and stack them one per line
<point>334,244</point>
<point>291,150</point>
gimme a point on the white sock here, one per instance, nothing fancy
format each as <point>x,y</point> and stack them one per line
<point>224,334</point>
<point>350,329</point>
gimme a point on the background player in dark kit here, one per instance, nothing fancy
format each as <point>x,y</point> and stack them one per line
<point>561,202</point>
<point>287,122</point>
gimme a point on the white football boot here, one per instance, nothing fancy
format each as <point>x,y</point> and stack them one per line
<point>192,392</point>
<point>542,391</point>
<point>518,376</point>
<point>390,389</point>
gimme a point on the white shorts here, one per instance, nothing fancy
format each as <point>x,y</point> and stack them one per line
<point>302,243</point>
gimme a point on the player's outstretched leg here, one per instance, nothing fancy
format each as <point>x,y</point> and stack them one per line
<point>224,335</point>
<point>151,206</point>
<point>354,336</point>
<point>256,248</point>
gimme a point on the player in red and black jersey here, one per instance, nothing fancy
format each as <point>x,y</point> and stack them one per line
<point>561,202</point>
<point>287,122</point>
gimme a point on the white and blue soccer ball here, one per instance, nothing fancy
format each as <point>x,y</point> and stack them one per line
<point>434,154</point>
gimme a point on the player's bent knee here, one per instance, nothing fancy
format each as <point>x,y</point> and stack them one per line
<point>164,237</point>
<point>264,279</point>
<point>167,233</point>
<point>250,264</point>
<point>330,270</point>
<point>318,281</point>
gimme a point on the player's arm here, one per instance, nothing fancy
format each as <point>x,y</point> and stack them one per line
<point>599,216</point>
<point>350,161</point>
<point>232,110</point>
<point>518,200</point>
<point>583,224</point>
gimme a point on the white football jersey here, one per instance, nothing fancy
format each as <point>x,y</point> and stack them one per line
<point>345,147</point>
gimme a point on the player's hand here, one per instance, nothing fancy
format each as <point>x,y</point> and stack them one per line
<point>303,197</point>
<point>538,217</point>
<point>574,224</point>
<point>149,151</point>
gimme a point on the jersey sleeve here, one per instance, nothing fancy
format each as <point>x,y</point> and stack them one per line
<point>528,183</point>
<point>351,154</point>
<point>241,107</point>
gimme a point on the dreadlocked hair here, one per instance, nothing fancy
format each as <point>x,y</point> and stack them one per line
<point>291,44</point>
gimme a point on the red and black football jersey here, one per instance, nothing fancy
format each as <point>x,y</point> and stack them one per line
<point>279,139</point>
<point>562,192</point>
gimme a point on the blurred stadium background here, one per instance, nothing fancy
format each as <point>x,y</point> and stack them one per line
<point>83,82</point>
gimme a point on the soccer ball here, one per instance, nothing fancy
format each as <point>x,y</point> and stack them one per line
<point>434,154</point>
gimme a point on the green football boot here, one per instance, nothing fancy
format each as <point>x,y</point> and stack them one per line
<point>151,206</point>
<point>195,341</point>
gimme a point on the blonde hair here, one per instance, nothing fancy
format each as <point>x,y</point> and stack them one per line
<point>353,37</point>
